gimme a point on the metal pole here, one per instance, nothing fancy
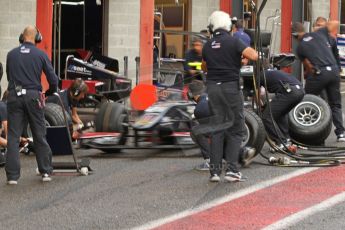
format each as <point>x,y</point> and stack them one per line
<point>84,25</point>
<point>54,37</point>
<point>125,68</point>
<point>273,36</point>
<point>137,66</point>
<point>59,40</point>
<point>339,13</point>
<point>160,37</point>
<point>297,16</point>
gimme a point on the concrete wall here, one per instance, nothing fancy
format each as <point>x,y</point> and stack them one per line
<point>320,8</point>
<point>201,10</point>
<point>14,16</point>
<point>124,23</point>
<point>124,32</point>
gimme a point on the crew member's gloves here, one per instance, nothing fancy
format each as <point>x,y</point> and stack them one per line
<point>52,89</point>
<point>80,126</point>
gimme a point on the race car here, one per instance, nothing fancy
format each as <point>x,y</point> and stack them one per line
<point>164,125</point>
<point>167,123</point>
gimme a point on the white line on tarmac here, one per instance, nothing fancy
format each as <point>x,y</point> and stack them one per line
<point>298,216</point>
<point>224,199</point>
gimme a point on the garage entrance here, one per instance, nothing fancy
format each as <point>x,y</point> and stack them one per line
<point>78,26</point>
<point>174,16</point>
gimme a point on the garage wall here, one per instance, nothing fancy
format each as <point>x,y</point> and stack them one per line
<point>14,17</point>
<point>320,8</point>
<point>201,10</point>
<point>268,11</point>
<point>123,30</point>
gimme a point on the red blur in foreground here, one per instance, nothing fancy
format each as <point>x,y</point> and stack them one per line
<point>268,205</point>
<point>143,96</point>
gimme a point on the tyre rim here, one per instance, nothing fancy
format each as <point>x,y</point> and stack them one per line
<point>307,113</point>
<point>246,136</point>
<point>46,123</point>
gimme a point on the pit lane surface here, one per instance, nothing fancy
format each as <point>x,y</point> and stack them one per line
<point>123,192</point>
<point>133,188</point>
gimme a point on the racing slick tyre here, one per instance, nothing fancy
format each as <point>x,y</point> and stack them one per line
<point>110,118</point>
<point>310,122</point>
<point>255,134</point>
<point>264,35</point>
<point>53,115</point>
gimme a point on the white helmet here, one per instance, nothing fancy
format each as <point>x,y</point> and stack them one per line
<point>219,20</point>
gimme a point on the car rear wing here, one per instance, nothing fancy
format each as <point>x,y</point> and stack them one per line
<point>115,86</point>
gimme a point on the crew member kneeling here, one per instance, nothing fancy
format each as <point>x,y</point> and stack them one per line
<point>202,114</point>
<point>288,93</point>
<point>70,98</point>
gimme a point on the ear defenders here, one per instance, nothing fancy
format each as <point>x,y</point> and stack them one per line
<point>210,28</point>
<point>78,89</point>
<point>38,37</point>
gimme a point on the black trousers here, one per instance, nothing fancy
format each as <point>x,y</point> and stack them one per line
<point>330,82</point>
<point>281,105</point>
<point>203,142</point>
<point>226,103</point>
<point>21,110</point>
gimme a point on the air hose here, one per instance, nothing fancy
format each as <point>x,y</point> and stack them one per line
<point>330,156</point>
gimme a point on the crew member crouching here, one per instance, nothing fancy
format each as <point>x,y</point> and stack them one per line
<point>70,98</point>
<point>288,92</point>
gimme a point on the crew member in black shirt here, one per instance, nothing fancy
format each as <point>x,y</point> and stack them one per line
<point>288,93</point>
<point>321,22</point>
<point>222,62</point>
<point>25,102</point>
<point>322,70</point>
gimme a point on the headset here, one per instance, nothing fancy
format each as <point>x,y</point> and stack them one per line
<point>38,37</point>
<point>78,89</point>
<point>210,28</point>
